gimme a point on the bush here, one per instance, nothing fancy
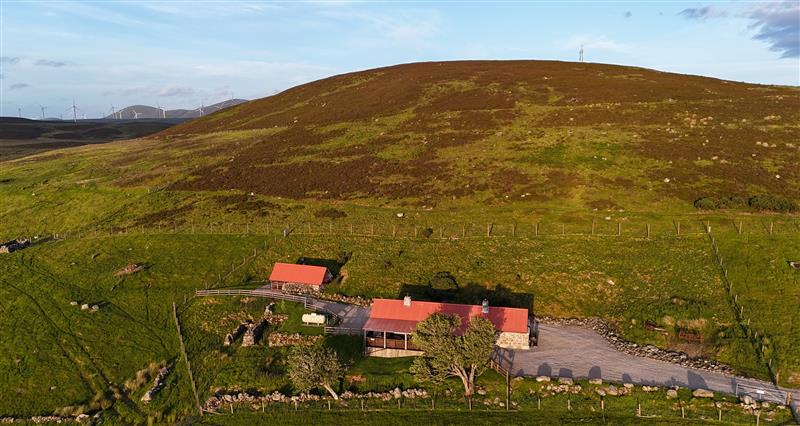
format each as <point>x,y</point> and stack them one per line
<point>707,203</point>
<point>773,203</point>
<point>330,213</point>
<point>427,232</point>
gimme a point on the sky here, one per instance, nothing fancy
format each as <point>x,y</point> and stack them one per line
<point>179,54</point>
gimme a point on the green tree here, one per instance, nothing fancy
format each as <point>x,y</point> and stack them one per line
<point>315,366</point>
<point>450,355</point>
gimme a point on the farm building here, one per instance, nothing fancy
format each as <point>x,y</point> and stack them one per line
<point>291,277</point>
<point>387,332</point>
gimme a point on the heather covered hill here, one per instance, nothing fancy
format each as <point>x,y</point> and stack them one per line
<point>494,131</point>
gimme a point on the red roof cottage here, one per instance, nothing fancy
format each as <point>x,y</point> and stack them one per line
<point>299,278</point>
<point>391,322</point>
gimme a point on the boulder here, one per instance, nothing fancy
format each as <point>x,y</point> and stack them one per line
<point>542,378</point>
<point>672,393</point>
<point>595,381</point>
<point>703,393</point>
<point>565,380</point>
<point>628,385</point>
<point>748,400</point>
<point>612,390</point>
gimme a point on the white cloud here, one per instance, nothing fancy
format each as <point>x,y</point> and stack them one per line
<point>404,26</point>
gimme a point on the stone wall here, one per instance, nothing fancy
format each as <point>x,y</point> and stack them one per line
<point>253,333</point>
<point>510,340</point>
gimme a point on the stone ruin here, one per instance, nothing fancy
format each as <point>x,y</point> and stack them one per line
<point>253,333</point>
<point>158,383</point>
<point>130,269</point>
<point>14,245</point>
<point>231,337</point>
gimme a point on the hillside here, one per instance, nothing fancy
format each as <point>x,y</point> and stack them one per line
<point>565,188</point>
<point>20,137</point>
<point>528,130</point>
<point>151,112</point>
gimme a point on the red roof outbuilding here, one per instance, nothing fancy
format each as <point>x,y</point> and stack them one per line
<point>394,316</point>
<point>298,274</point>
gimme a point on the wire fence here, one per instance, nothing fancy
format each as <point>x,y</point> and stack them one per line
<point>402,229</point>
<point>759,340</point>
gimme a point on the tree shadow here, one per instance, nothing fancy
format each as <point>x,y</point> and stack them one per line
<point>696,381</point>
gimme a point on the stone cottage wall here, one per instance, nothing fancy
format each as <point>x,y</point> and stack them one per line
<point>513,340</point>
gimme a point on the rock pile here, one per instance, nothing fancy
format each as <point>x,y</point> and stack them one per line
<point>221,398</point>
<point>293,339</point>
<point>275,319</point>
<point>334,297</point>
<point>253,333</point>
<point>648,351</point>
<point>130,269</point>
<point>561,387</point>
<point>158,383</point>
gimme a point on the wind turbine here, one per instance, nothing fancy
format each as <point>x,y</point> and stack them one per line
<point>113,112</point>
<point>19,112</point>
<point>580,54</point>
<point>136,114</point>
<point>42,107</point>
<point>74,112</point>
<point>163,113</point>
<point>201,108</point>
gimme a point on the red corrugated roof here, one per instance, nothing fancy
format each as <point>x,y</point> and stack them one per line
<point>300,274</point>
<point>513,320</point>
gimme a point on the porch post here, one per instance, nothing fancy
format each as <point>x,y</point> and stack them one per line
<point>384,339</point>
<point>405,341</point>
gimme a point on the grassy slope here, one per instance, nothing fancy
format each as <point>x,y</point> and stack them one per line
<point>543,158</point>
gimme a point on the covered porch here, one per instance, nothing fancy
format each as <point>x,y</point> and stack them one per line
<point>389,338</point>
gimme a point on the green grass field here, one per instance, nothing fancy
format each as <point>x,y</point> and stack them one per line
<point>555,192</point>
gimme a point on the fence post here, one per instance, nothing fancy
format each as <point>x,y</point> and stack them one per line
<point>648,231</point>
<point>593,226</point>
<point>537,229</point>
<point>619,229</point>
<point>489,230</point>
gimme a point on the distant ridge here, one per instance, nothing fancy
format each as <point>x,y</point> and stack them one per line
<point>150,112</point>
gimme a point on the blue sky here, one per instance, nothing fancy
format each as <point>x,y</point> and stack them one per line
<point>179,54</point>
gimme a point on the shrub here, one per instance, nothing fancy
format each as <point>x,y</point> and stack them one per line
<point>330,213</point>
<point>773,203</point>
<point>427,232</point>
<point>707,203</point>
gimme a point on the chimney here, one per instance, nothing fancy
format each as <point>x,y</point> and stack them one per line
<point>485,307</point>
<point>407,301</point>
